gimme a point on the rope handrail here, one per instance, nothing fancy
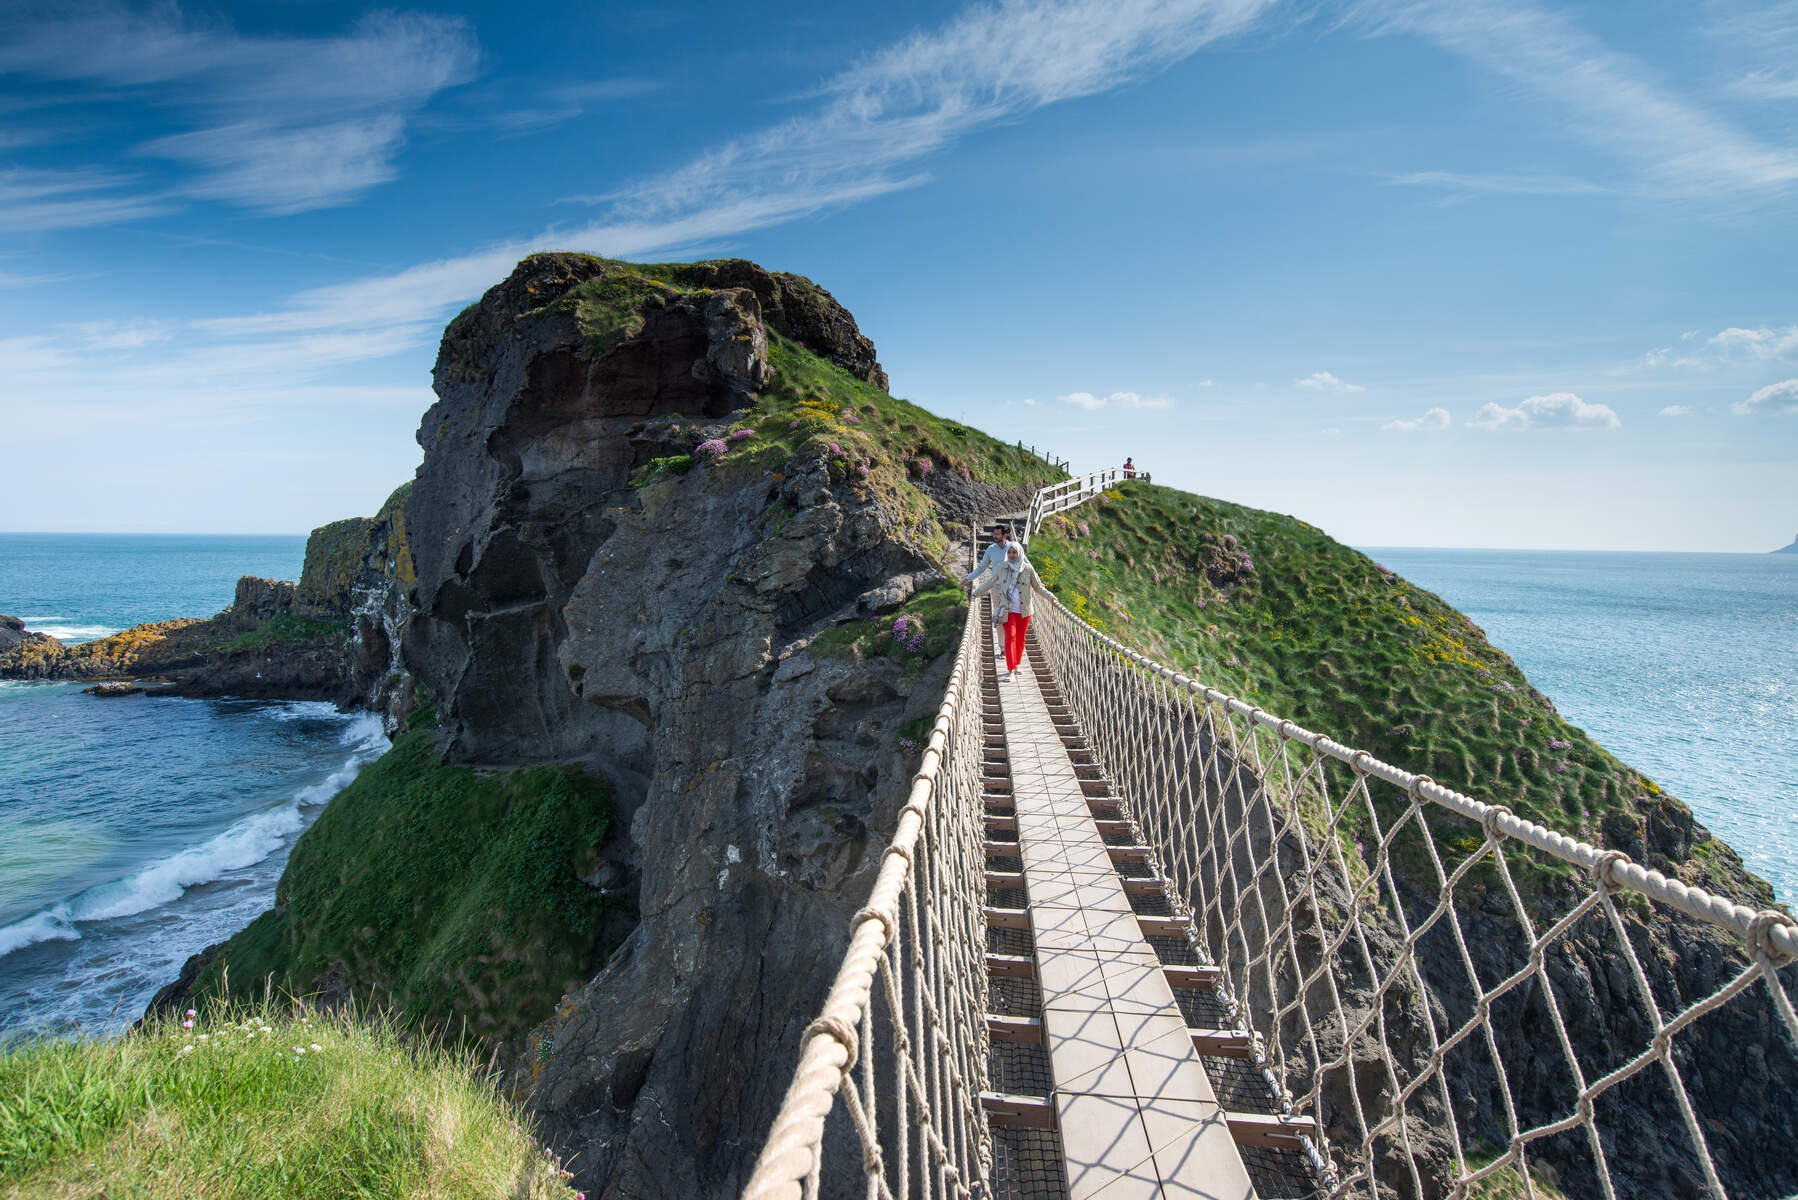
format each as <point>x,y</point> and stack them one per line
<point>920,937</point>
<point>1739,919</point>
<point>1342,918</point>
<point>1352,971</point>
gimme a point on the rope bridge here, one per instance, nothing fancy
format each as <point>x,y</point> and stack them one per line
<point>1321,909</point>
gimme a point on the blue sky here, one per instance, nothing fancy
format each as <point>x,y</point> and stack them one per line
<point>1437,273</point>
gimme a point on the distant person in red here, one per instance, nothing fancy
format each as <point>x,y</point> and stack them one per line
<point>1129,468</point>
<point>1013,585</point>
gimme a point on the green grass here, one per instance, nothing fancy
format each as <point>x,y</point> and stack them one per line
<point>287,629</point>
<point>941,609</point>
<point>1508,1183</point>
<point>1316,632</point>
<point>451,895</point>
<point>270,1103</point>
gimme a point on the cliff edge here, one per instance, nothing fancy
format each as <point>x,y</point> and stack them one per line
<point>666,518</point>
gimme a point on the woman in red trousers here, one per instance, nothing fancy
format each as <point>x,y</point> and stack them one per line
<point>1014,585</point>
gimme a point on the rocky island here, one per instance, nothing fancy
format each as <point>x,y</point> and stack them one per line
<point>1791,549</point>
<point>633,629</point>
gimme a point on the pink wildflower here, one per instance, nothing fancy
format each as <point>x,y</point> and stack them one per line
<point>713,449</point>
<point>862,470</point>
<point>852,418</point>
<point>192,1013</point>
<point>1085,529</point>
<point>835,449</point>
<point>740,434</point>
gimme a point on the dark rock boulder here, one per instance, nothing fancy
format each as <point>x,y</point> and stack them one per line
<point>24,654</point>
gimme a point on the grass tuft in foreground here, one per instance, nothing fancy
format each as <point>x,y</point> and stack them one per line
<point>272,1101</point>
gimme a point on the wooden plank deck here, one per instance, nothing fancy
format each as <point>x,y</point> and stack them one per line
<point>1136,1113</point>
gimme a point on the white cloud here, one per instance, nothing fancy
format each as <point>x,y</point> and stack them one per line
<point>1434,419</point>
<point>1559,410</point>
<point>871,125</point>
<point>1764,342</point>
<point>1781,397</point>
<point>991,63</point>
<point>120,335</point>
<point>1677,410</point>
<point>1332,432</point>
<point>1735,344</point>
<point>1030,401</point>
<point>1522,183</point>
<point>1091,402</point>
<point>23,355</point>
<point>1612,99</point>
<point>1207,383</point>
<point>34,200</point>
<point>1323,381</point>
<point>278,124</point>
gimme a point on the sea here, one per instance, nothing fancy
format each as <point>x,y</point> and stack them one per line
<point>136,831</point>
<point>1685,666</point>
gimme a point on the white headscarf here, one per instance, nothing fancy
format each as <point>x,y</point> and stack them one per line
<point>1011,574</point>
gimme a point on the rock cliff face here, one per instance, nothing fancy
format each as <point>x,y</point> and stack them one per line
<point>663,635</point>
<point>665,520</point>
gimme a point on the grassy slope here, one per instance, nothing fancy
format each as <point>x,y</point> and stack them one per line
<point>288,1104</point>
<point>455,894</point>
<point>1318,633</point>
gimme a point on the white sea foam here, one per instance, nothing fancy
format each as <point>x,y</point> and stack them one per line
<point>243,845</point>
<point>72,633</point>
<point>51,925</point>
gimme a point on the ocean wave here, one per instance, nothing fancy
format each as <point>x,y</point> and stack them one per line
<point>52,925</point>
<point>74,634</point>
<point>244,844</point>
<point>308,710</point>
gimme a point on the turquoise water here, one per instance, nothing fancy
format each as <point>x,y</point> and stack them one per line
<point>135,832</point>
<point>1683,665</point>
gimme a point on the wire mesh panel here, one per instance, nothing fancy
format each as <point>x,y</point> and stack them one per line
<point>901,1048</point>
<point>1468,1003</point>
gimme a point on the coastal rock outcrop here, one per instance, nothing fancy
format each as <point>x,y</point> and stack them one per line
<point>662,634</point>
<point>28,653</point>
<point>665,520</point>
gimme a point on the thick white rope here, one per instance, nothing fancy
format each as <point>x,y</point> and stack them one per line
<point>922,933</point>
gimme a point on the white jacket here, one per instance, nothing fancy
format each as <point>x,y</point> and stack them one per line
<point>993,559</point>
<point>1028,585</point>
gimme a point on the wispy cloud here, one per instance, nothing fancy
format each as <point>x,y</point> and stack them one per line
<point>1323,381</point>
<point>1677,410</point>
<point>568,101</point>
<point>1738,344</point>
<point>879,118</point>
<point>1781,397</point>
<point>866,134</point>
<point>279,124</point>
<point>36,201</point>
<point>1091,402</point>
<point>1523,183</point>
<point>1431,421</point>
<point>120,335</point>
<point>1559,410</point>
<point>1610,98</point>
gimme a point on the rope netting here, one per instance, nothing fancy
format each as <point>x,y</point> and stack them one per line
<point>902,1041</point>
<point>1466,1002</point>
